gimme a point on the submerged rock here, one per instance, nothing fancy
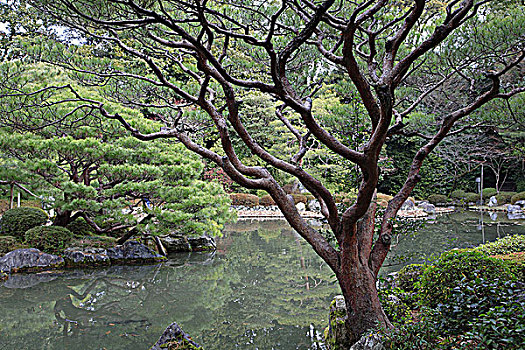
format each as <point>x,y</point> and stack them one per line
<point>133,252</point>
<point>86,256</point>
<point>177,243</point>
<point>175,338</point>
<point>29,260</point>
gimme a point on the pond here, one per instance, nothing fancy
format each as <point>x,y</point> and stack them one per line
<point>263,289</point>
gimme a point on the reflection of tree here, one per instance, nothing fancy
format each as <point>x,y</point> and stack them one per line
<point>220,300</point>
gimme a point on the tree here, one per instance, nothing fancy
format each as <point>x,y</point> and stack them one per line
<point>189,64</point>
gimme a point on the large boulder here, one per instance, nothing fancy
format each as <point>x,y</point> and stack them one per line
<point>408,205</point>
<point>75,257</point>
<point>175,338</point>
<point>133,252</point>
<point>427,207</point>
<point>514,209</point>
<point>179,243</point>
<point>493,201</point>
<point>29,260</point>
<point>314,205</point>
<point>369,342</point>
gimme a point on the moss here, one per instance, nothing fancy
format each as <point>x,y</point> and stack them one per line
<point>266,200</point>
<point>437,199</point>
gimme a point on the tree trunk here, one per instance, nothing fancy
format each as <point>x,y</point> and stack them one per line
<point>364,311</point>
<point>62,218</point>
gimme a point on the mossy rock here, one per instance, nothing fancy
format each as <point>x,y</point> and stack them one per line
<point>49,239</point>
<point>15,222</point>
<point>266,201</point>
<point>517,197</point>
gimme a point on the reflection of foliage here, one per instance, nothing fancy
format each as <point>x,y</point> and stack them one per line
<point>266,288</point>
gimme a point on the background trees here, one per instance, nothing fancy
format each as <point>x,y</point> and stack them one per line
<point>191,65</point>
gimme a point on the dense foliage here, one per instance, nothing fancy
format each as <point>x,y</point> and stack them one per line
<point>49,239</point>
<point>15,222</point>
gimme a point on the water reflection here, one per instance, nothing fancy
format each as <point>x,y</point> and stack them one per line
<point>263,289</point>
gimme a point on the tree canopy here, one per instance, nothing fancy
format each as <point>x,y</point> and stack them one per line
<point>195,66</point>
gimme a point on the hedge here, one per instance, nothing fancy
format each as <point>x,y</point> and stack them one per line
<point>49,239</point>
<point>244,199</point>
<point>15,222</point>
<point>517,197</point>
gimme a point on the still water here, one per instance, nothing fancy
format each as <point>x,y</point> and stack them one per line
<point>263,289</point>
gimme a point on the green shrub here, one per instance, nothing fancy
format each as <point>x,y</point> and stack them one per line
<point>458,194</point>
<point>49,239</point>
<point>298,198</point>
<point>9,243</point>
<point>504,197</point>
<point>80,227</point>
<point>15,222</point>
<point>517,197</point>
<point>266,200</point>
<point>437,199</point>
<point>244,199</point>
<point>489,192</point>
<point>471,197</point>
<point>439,280</point>
<point>506,245</point>
<point>408,276</point>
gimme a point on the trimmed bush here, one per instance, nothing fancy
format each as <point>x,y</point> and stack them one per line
<point>80,228</point>
<point>266,200</point>
<point>15,222</point>
<point>517,197</point>
<point>437,199</point>
<point>439,280</point>
<point>9,243</point>
<point>471,197</point>
<point>489,192</point>
<point>506,245</point>
<point>458,194</point>
<point>49,239</point>
<point>504,197</point>
<point>244,199</point>
<point>298,198</point>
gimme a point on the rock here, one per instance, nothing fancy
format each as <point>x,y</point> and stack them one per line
<point>133,252</point>
<point>300,206</point>
<point>29,260</point>
<point>427,207</point>
<point>336,336</point>
<point>493,201</point>
<point>369,342</point>
<point>408,205</point>
<point>178,243</point>
<point>203,243</point>
<point>86,256</point>
<point>514,209</point>
<point>175,338</point>
<point>521,203</point>
<point>314,205</point>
